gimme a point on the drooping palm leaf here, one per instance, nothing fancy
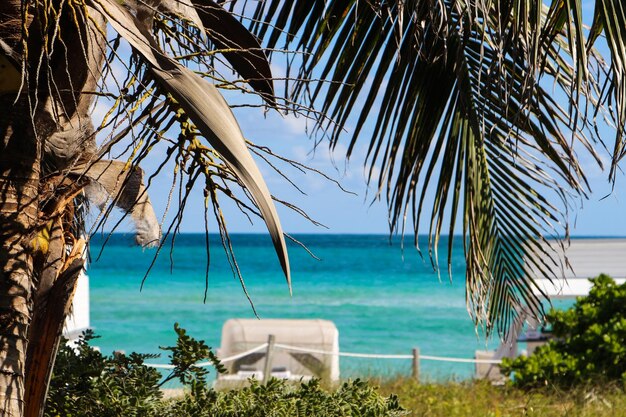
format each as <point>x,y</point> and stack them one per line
<point>57,56</point>
<point>206,108</point>
<point>238,46</point>
<point>485,103</point>
<point>610,21</point>
<point>233,40</point>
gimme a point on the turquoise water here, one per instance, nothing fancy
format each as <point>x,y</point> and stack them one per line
<point>382,300</point>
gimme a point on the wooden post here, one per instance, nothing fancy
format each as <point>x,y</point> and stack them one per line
<point>267,368</point>
<point>415,370</point>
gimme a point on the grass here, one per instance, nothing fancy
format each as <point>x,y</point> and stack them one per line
<point>481,399</point>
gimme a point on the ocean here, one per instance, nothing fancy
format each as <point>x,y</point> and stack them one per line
<point>382,298</point>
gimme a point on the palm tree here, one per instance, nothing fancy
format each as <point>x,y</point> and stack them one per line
<point>54,57</point>
<point>460,91</point>
<point>485,103</point>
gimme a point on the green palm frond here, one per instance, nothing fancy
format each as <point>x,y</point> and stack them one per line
<point>486,103</point>
<point>610,21</point>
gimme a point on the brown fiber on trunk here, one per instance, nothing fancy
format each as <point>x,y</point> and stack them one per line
<point>25,126</point>
<point>19,181</point>
<point>20,165</point>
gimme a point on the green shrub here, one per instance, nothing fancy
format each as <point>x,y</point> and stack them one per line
<point>589,345</point>
<point>87,383</point>
<point>354,398</point>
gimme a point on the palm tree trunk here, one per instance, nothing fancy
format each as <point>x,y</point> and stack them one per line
<point>20,156</point>
<point>49,316</point>
<point>37,281</point>
<point>19,183</point>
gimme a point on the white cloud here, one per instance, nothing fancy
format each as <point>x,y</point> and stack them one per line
<point>296,124</point>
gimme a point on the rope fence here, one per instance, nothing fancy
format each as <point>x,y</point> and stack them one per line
<point>416,357</point>
<point>346,354</point>
<point>203,364</point>
<point>384,356</point>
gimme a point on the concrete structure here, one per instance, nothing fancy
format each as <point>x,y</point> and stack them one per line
<point>587,258</point>
<point>78,319</point>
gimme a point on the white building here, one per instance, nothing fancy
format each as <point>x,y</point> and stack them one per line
<point>78,319</point>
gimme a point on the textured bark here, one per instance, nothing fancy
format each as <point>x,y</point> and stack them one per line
<point>77,72</point>
<point>19,203</point>
<point>43,135</point>
<point>24,126</point>
<point>76,68</point>
<point>19,182</point>
<point>11,22</point>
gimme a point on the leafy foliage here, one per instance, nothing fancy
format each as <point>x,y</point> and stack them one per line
<point>187,352</point>
<point>588,346</point>
<point>87,383</point>
<point>277,398</point>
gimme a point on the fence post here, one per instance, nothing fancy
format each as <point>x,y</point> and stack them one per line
<point>267,368</point>
<point>415,369</point>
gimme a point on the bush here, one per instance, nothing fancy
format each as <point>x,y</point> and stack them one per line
<point>354,398</point>
<point>589,345</point>
<point>87,383</point>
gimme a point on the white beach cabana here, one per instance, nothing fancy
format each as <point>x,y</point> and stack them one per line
<point>309,336</point>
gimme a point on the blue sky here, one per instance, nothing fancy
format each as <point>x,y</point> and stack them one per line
<point>604,213</point>
<point>601,215</point>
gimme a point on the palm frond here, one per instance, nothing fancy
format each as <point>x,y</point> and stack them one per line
<point>610,21</point>
<point>208,111</point>
<point>238,46</point>
<point>459,90</point>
